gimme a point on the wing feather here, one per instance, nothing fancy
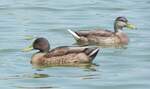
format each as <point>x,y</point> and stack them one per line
<point>103,33</point>
<point>63,50</point>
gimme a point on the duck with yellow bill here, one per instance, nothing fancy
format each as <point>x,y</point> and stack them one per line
<point>104,37</point>
<point>60,55</point>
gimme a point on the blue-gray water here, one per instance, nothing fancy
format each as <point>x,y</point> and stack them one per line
<point>118,68</point>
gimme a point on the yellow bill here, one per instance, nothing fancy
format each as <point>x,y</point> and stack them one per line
<point>27,49</point>
<point>131,26</point>
<point>29,37</point>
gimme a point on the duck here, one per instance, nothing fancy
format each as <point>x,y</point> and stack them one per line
<point>62,55</point>
<point>103,36</point>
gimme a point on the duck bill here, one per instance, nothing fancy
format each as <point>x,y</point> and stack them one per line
<point>130,26</point>
<point>27,49</point>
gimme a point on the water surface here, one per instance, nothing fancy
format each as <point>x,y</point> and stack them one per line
<point>118,68</point>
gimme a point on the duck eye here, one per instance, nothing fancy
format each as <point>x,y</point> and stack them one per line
<point>123,20</point>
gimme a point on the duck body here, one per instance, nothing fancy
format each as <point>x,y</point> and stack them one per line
<point>104,37</point>
<point>101,37</point>
<point>65,56</point>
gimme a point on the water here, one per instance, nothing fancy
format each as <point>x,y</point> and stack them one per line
<point>118,68</point>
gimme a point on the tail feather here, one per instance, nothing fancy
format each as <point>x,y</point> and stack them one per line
<point>74,34</point>
<point>92,52</point>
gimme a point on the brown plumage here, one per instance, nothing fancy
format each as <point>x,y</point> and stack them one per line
<point>104,37</point>
<point>61,55</point>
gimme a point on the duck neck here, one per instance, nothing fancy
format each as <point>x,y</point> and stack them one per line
<point>117,28</point>
<point>44,51</point>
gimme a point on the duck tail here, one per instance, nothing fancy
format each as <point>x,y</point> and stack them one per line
<point>92,52</point>
<point>75,35</point>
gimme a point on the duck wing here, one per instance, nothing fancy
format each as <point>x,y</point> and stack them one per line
<point>64,50</point>
<point>99,32</point>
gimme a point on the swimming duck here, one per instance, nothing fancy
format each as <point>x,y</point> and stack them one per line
<point>104,37</point>
<point>60,55</point>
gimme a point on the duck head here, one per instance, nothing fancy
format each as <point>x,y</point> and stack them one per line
<point>122,22</point>
<point>40,44</point>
